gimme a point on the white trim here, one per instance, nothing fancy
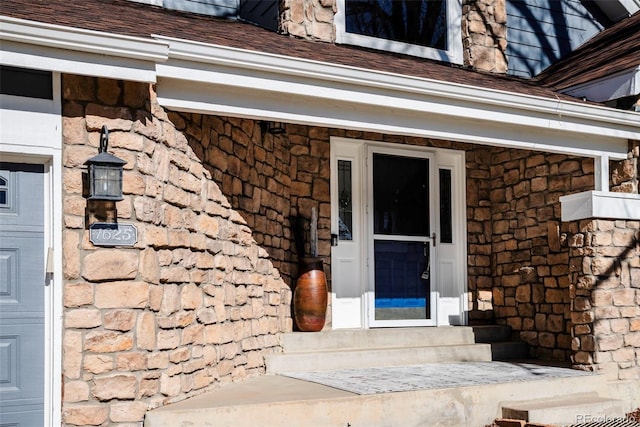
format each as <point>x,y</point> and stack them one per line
<point>204,63</point>
<point>40,142</point>
<point>70,38</point>
<point>598,204</point>
<point>227,81</point>
<point>452,54</point>
<point>425,153</point>
<point>31,44</point>
<point>618,85</point>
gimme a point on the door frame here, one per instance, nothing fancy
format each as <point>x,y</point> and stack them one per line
<point>449,262</point>
<point>31,132</point>
<point>407,152</point>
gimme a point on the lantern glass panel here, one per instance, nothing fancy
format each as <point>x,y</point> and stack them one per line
<point>107,182</point>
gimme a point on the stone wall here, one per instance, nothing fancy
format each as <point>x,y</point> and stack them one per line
<point>518,255</point>
<point>484,35</point>
<point>308,19</point>
<point>529,254</point>
<point>195,303</point>
<point>605,284</point>
<point>605,291</point>
<point>205,292</point>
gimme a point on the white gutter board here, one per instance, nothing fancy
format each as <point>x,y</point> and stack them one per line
<point>63,49</point>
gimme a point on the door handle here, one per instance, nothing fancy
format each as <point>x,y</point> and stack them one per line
<point>334,239</point>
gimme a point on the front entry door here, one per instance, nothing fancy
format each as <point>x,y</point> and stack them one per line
<point>22,279</point>
<point>401,232</point>
<point>398,255</point>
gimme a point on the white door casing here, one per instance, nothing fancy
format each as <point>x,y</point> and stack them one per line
<point>424,242</point>
<point>31,132</point>
<point>352,266</point>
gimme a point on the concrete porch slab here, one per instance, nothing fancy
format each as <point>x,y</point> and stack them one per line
<point>279,401</point>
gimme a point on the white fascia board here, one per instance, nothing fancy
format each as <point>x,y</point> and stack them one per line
<point>221,65</point>
<point>618,85</point>
<point>72,50</point>
<point>207,98</point>
<point>598,204</point>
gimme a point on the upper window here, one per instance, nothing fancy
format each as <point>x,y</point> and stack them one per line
<point>426,28</point>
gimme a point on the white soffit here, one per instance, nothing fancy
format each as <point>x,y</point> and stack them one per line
<point>64,49</point>
<point>619,85</point>
<point>221,80</point>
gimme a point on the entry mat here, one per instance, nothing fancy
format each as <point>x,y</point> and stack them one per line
<point>431,376</point>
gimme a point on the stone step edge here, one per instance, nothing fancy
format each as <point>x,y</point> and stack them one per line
<point>517,409</point>
<point>329,339</point>
<point>379,348</point>
<point>400,356</point>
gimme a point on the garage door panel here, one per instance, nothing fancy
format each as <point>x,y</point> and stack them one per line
<point>21,272</point>
<point>22,280</point>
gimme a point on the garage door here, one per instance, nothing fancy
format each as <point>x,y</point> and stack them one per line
<point>22,279</point>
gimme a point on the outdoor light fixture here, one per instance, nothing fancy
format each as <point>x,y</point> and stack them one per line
<point>105,172</point>
<point>274,128</point>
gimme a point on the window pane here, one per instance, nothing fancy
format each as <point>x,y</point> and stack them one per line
<point>345,200</point>
<point>400,195</point>
<point>418,22</point>
<point>446,221</point>
<point>4,199</point>
<point>23,82</point>
<point>402,282</point>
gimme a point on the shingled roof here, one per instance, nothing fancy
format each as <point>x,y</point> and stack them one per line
<point>133,19</point>
<point>611,51</point>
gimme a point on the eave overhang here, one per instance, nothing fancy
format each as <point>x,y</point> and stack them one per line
<point>57,48</point>
<point>214,79</point>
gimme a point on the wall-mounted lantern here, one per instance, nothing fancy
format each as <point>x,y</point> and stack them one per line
<point>274,128</point>
<point>105,172</point>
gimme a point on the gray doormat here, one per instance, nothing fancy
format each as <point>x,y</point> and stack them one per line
<point>431,376</point>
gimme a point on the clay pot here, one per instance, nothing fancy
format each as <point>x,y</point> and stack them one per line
<point>310,296</point>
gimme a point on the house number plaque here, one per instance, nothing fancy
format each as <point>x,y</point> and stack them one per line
<point>109,234</point>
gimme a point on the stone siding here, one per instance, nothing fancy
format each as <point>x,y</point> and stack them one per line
<point>605,284</point>
<point>206,291</point>
<point>484,35</point>
<point>308,19</point>
<point>529,253</point>
<point>605,291</point>
<point>195,303</point>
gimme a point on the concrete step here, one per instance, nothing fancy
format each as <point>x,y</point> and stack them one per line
<point>509,350</point>
<point>371,357</point>
<point>566,410</point>
<point>342,339</point>
<point>503,347</point>
<point>277,401</point>
<point>492,333</point>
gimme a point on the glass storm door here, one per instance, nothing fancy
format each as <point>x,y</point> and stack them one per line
<point>401,229</point>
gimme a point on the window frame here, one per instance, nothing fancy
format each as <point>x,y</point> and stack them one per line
<point>453,53</point>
